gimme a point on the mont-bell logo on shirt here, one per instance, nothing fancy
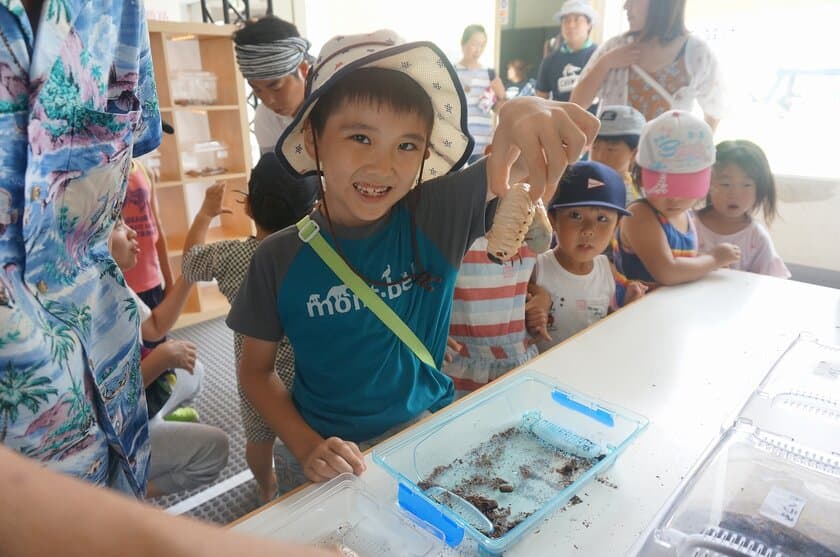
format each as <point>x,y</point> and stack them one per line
<point>340,299</point>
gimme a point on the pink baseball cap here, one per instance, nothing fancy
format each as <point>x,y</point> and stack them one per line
<point>676,154</point>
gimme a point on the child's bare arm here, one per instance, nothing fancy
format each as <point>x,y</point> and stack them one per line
<point>321,458</point>
<point>643,234</point>
<point>211,208</point>
<point>537,309</point>
<point>86,520</point>
<point>163,316</point>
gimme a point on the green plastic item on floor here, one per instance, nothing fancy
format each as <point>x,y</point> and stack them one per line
<point>183,414</point>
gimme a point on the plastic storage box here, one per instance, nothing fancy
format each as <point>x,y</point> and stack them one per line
<point>206,158</point>
<point>517,453</point>
<point>756,494</point>
<point>194,88</point>
<point>342,512</point>
<point>800,396</point>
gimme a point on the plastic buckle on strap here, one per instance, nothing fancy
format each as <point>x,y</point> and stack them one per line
<point>308,230</point>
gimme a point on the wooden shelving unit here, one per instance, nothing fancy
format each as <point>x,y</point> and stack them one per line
<point>181,46</point>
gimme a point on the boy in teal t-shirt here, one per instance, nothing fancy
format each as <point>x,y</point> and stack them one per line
<point>384,124</point>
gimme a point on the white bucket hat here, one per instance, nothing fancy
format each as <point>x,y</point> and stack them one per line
<point>450,143</point>
<point>576,7</point>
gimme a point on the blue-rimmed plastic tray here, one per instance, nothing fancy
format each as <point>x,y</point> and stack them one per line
<point>516,453</point>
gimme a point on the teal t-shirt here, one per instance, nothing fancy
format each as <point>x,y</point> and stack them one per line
<point>354,378</point>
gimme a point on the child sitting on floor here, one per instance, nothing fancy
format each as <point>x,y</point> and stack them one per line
<point>584,213</point>
<point>383,124</point>
<point>658,244</point>
<point>274,201</point>
<point>183,455</point>
<point>742,183</point>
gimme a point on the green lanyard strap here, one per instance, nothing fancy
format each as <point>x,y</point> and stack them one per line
<point>310,233</point>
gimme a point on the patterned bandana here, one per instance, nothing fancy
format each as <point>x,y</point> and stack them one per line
<point>272,60</point>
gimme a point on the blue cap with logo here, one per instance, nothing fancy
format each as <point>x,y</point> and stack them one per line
<point>590,184</point>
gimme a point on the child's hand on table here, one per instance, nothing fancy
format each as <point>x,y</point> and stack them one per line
<point>332,457</point>
<point>634,291</point>
<point>726,254</point>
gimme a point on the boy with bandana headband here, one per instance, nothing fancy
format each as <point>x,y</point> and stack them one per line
<point>273,57</point>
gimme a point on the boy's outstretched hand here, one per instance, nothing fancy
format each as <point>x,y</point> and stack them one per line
<point>332,457</point>
<point>541,137</point>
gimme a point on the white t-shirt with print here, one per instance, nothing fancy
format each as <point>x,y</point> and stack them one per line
<point>758,254</point>
<point>577,300</point>
<point>268,127</point>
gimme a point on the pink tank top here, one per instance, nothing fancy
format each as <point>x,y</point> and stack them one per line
<point>137,212</point>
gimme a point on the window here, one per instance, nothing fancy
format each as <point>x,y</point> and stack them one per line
<point>782,73</point>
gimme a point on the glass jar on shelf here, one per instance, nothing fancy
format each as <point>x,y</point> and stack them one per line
<point>205,158</point>
<point>194,88</point>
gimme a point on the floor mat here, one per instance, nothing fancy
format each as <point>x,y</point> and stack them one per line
<point>217,405</point>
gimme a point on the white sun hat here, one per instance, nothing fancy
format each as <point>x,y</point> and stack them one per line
<point>450,143</point>
<point>576,7</point>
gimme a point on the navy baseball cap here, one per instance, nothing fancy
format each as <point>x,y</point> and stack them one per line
<point>590,184</point>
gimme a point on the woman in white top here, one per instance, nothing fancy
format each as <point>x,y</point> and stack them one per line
<point>654,67</point>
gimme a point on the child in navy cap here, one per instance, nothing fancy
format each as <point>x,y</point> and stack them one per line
<point>584,213</point>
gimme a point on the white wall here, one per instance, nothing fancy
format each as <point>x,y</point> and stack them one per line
<point>165,10</point>
<point>414,21</point>
<point>807,231</point>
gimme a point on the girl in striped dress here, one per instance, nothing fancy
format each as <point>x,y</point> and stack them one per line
<point>657,244</point>
<point>482,87</point>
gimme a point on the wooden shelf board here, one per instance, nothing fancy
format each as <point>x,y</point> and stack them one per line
<point>213,305</point>
<point>215,234</point>
<point>214,177</point>
<point>183,29</point>
<point>193,318</point>
<point>167,184</point>
<point>200,179</point>
<point>200,107</point>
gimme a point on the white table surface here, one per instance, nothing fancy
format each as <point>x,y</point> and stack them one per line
<point>686,357</point>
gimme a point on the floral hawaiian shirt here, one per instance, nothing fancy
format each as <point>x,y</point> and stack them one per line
<point>76,103</point>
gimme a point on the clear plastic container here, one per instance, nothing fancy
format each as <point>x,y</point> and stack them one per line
<point>800,396</point>
<point>342,512</point>
<point>756,494</point>
<point>206,158</point>
<point>194,88</point>
<point>516,453</point>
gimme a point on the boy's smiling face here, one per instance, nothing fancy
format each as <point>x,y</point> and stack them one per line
<point>370,156</point>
